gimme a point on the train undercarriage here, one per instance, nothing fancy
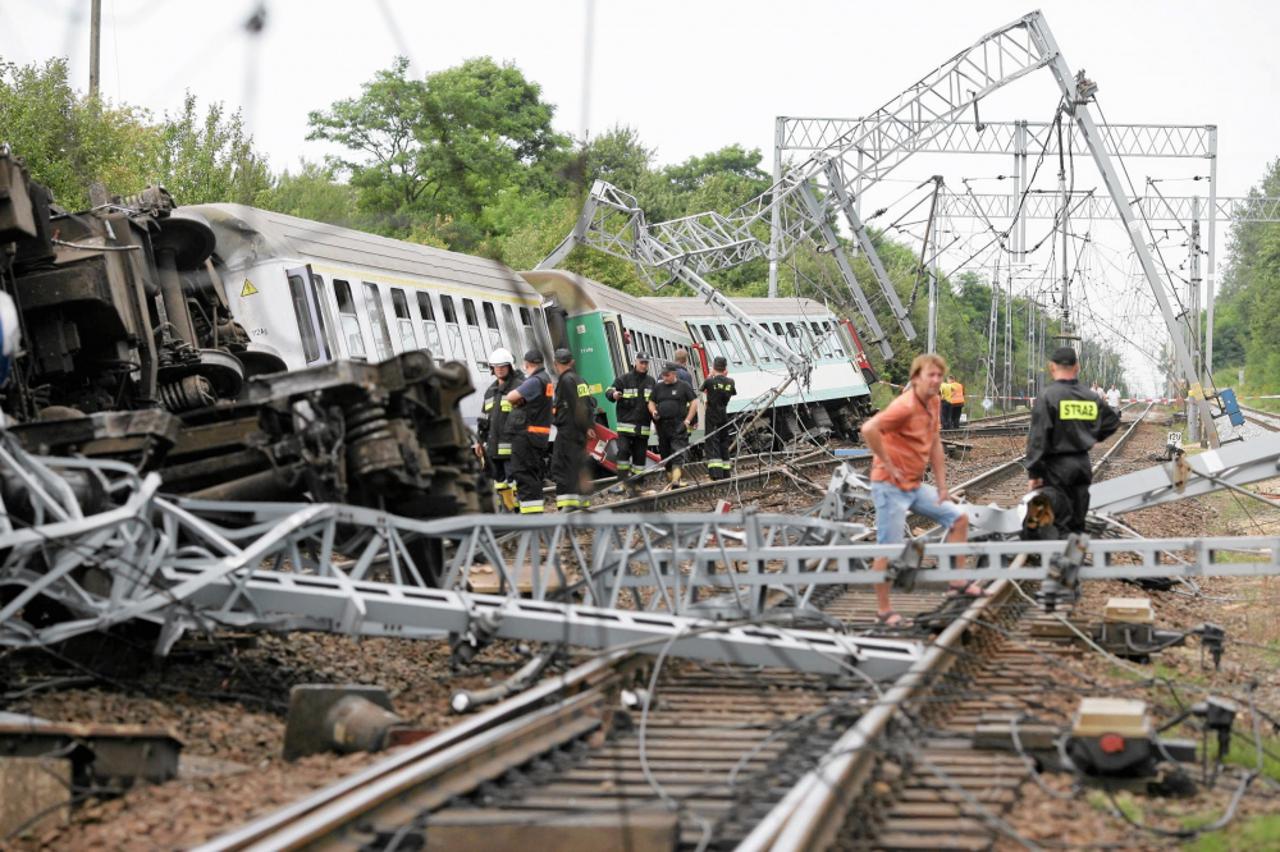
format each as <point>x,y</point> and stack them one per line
<point>131,353</point>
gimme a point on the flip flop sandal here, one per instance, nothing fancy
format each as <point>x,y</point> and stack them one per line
<point>890,619</point>
<point>970,590</point>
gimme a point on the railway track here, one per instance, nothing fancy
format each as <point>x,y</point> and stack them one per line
<point>910,777</point>
<point>718,757</point>
<point>1266,419</point>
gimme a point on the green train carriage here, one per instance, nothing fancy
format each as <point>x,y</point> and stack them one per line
<point>604,328</point>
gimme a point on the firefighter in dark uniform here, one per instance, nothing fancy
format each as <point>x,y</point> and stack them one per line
<point>494,446</point>
<point>674,407</point>
<point>1066,421</point>
<point>718,389</point>
<point>631,393</point>
<point>529,425</point>
<point>573,413</point>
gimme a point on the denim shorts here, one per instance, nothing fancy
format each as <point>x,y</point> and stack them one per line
<point>893,505</point>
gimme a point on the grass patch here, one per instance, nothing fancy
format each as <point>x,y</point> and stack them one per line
<point>1251,835</point>
<point>1244,753</point>
<point>1124,800</point>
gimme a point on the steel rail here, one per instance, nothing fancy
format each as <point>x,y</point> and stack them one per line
<point>1123,439</point>
<point>1266,419</point>
<point>812,812</point>
<point>325,811</point>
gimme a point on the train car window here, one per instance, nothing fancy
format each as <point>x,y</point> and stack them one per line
<point>478,349</point>
<point>819,340</point>
<point>540,333</point>
<point>452,332</point>
<point>766,353</point>
<point>822,330</point>
<point>745,340</point>
<point>349,318</point>
<point>512,330</point>
<point>709,336</point>
<point>404,322</point>
<point>793,337</point>
<point>526,324</point>
<point>306,321</point>
<point>491,320</point>
<point>328,342</point>
<point>378,320</point>
<point>429,328</point>
<point>730,346</point>
<point>806,340</point>
<point>615,350</point>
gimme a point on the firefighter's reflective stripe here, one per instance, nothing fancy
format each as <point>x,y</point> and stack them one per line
<point>718,464</point>
<point>584,390</point>
<point>530,507</point>
<point>627,429</point>
<point>504,449</point>
<point>648,392</point>
<point>568,501</point>
<point>623,466</point>
<point>632,393</point>
<point>488,404</point>
<point>539,430</point>
<point>505,406</point>
<point>645,430</point>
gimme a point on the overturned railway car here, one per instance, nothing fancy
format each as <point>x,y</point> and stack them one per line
<point>139,345</point>
<point>309,293</point>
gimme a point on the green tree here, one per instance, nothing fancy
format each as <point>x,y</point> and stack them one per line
<point>1247,309</point>
<point>312,193</point>
<point>427,156</point>
<point>66,141</point>
<point>210,158</point>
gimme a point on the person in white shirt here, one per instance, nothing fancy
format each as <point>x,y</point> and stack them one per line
<point>1113,397</point>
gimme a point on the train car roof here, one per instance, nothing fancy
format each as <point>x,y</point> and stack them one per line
<point>577,295</point>
<point>790,306</point>
<point>248,235</point>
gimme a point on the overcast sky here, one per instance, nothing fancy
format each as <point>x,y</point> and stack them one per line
<point>689,75</point>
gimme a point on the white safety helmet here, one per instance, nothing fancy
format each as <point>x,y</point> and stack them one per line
<point>500,356</point>
<point>9,336</point>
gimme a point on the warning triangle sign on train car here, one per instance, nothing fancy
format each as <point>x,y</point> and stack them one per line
<point>248,289</point>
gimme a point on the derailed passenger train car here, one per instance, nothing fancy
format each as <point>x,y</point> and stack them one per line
<point>605,328</point>
<point>136,348</point>
<point>309,293</point>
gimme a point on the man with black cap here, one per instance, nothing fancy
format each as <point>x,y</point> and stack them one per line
<point>631,393</point>
<point>1066,421</point>
<point>530,427</point>
<point>719,389</point>
<point>573,410</point>
<point>674,407</point>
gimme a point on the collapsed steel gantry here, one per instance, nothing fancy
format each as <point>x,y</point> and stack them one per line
<point>806,197</point>
<point>99,546</point>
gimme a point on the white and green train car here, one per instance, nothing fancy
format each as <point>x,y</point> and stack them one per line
<point>605,328</point>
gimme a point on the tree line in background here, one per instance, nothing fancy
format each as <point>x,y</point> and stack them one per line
<point>1246,324</point>
<point>467,159</point>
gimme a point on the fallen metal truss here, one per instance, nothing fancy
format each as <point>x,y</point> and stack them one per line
<point>88,545</point>
<point>1185,141</point>
<point>1047,204</point>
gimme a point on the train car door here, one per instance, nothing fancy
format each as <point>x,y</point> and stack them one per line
<point>306,310</point>
<point>613,338</point>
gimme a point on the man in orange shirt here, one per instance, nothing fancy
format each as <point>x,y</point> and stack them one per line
<point>903,439</point>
